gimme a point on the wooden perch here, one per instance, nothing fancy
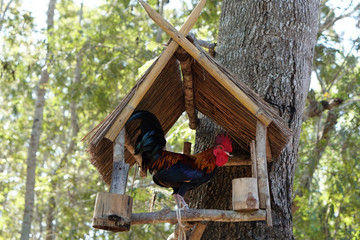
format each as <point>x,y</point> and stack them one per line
<point>240,160</point>
<point>153,74</point>
<point>221,77</point>
<point>168,216</point>
<point>137,157</point>
<point>185,62</point>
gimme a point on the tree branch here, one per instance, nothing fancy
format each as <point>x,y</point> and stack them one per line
<point>329,22</point>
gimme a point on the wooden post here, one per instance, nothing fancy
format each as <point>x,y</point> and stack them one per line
<point>187,148</point>
<point>245,194</point>
<point>185,63</point>
<point>263,182</point>
<point>113,210</point>
<point>253,159</point>
<point>120,168</point>
<point>198,231</point>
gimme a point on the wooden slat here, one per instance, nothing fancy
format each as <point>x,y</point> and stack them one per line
<point>262,175</point>
<point>153,74</point>
<point>240,160</point>
<point>195,215</point>
<point>120,168</point>
<point>198,231</point>
<point>208,66</point>
<point>253,159</point>
<point>187,148</point>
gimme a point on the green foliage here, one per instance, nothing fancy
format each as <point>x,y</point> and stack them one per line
<point>328,208</point>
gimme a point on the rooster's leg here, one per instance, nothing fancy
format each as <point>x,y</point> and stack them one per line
<point>180,200</point>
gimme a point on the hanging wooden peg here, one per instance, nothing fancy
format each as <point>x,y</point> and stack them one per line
<point>245,195</point>
<point>113,210</point>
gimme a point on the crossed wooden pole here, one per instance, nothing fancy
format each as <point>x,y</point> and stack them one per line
<point>180,39</point>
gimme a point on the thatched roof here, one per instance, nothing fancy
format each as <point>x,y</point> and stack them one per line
<point>165,98</point>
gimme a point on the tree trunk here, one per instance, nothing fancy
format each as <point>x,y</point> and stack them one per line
<point>35,136</point>
<point>269,45</point>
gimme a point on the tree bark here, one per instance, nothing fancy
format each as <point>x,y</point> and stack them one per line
<point>269,45</point>
<point>35,136</point>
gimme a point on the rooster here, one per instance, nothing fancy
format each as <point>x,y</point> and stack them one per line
<point>174,170</point>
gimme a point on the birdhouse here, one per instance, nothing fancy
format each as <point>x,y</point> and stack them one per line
<point>186,78</point>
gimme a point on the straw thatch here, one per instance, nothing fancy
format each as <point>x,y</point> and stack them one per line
<point>165,99</point>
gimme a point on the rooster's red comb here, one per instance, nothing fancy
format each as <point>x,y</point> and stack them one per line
<point>224,140</point>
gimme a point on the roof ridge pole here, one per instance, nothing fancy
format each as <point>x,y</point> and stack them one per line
<point>152,75</point>
<point>207,65</point>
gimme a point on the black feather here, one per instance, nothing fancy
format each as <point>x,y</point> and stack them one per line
<point>151,141</point>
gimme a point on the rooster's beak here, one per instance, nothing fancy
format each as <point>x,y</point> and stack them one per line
<point>227,153</point>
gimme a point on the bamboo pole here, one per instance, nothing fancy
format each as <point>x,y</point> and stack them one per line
<point>196,215</point>
<point>121,119</point>
<point>205,63</point>
<point>263,182</point>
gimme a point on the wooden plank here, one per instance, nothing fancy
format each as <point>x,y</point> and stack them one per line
<point>208,66</point>
<point>196,215</point>
<point>262,175</point>
<point>121,119</point>
<point>198,231</point>
<point>120,168</point>
<point>241,160</point>
<point>268,150</point>
<point>253,159</point>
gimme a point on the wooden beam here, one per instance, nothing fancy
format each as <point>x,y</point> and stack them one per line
<point>169,216</point>
<point>185,63</point>
<point>198,231</point>
<point>268,150</point>
<point>253,159</point>
<point>121,119</point>
<point>120,168</point>
<point>187,148</point>
<point>207,65</point>
<point>240,160</point>
<point>262,175</point>
<point>137,157</point>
